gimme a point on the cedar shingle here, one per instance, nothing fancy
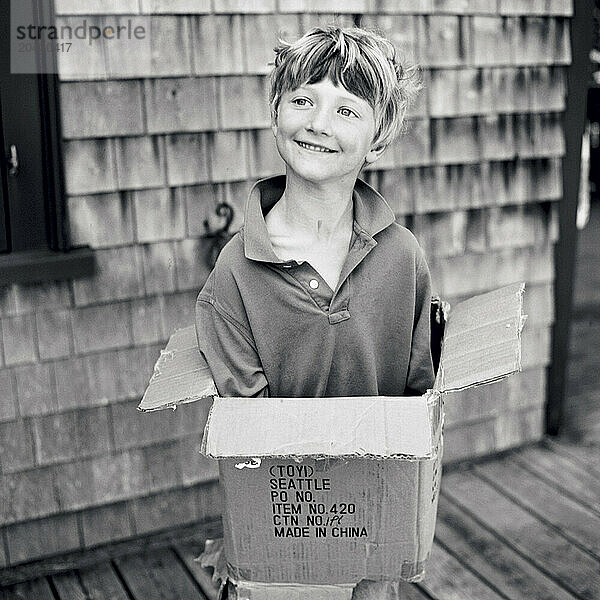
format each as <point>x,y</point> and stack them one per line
<point>217,44</point>
<point>181,104</point>
<point>191,263</point>
<point>492,41</point>
<point>443,43</point>
<point>105,524</point>
<point>534,40</point>
<point>147,322</point>
<point>228,152</point>
<point>7,396</point>
<point>41,296</point>
<point>413,148</point>
<point>399,29</point>
<point>35,389</point>
<point>464,6</point>
<point>69,435</point>
<point>16,446</point>
<point>26,495</point>
<point>72,389</point>
<point>177,312</point>
<point>200,202</point>
<point>196,467</point>
<point>134,367</point>
<point>516,428</point>
<point>441,234</point>
<point>118,276</point>
<point>321,6</point>
<point>159,215</point>
<point>90,166</point>
<point>444,92</point>
<point>101,108</point>
<point>100,221</point>
<point>90,7</point>
<point>19,339</point>
<point>175,6</point>
<point>515,226</point>
<point>139,162</point>
<point>132,430</point>
<point>187,158</point>
<point>102,327</point>
<point>261,34</point>
<point>244,6</point>
<point>497,137</point>
<point>548,89</point>
<point>164,50</point>
<point>84,60</point>
<point>54,333</point>
<point>264,157</point>
<point>158,262</point>
<point>401,189</point>
<point>34,539</point>
<point>455,140</point>
<point>244,102</point>
<point>170,509</point>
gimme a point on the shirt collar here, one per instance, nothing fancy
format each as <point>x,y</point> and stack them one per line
<point>372,214</point>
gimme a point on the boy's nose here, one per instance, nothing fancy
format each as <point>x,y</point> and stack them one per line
<point>319,122</point>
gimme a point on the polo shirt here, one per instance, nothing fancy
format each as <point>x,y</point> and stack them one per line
<point>268,326</point>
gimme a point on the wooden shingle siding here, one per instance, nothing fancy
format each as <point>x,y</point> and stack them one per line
<point>101,109</point>
<point>156,134</point>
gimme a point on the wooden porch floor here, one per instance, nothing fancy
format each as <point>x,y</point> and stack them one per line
<point>525,525</point>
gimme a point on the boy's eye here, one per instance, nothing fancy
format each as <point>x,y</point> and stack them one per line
<point>347,112</point>
<point>300,101</point>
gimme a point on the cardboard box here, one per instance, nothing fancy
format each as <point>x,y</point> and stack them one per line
<point>330,491</point>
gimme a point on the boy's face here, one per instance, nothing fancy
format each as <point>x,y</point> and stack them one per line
<point>324,133</point>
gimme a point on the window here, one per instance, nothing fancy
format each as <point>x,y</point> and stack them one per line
<point>33,238</point>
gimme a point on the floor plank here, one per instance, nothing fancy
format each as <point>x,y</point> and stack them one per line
<point>69,586</point>
<point>519,529</point>
<point>101,582</point>
<point>493,560</point>
<point>36,589</point>
<point>81,558</point>
<point>587,455</point>
<point>576,522</point>
<point>563,473</point>
<point>157,575</point>
<point>447,579</point>
<point>187,552</point>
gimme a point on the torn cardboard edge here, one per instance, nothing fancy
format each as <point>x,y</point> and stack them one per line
<point>252,590</point>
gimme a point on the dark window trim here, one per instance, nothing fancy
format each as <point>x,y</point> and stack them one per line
<point>45,254</point>
<point>578,80</point>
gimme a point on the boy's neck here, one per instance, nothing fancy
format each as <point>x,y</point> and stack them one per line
<point>320,210</point>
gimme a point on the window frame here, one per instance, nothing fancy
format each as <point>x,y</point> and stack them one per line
<point>35,231</point>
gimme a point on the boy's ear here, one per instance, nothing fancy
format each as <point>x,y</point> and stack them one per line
<point>374,154</point>
<point>274,122</point>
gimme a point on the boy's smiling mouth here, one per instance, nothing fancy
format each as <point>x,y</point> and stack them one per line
<point>313,147</point>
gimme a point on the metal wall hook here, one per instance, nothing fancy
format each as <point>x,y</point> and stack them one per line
<point>219,237</point>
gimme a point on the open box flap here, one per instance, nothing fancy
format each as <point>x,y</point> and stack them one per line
<point>482,340</point>
<point>180,374</point>
<point>379,426</point>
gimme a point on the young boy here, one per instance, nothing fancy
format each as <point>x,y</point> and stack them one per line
<point>321,293</point>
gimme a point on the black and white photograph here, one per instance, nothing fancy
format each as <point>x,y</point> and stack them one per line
<point>300,300</point>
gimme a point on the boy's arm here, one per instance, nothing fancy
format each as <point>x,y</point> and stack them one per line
<point>230,352</point>
<point>420,370</point>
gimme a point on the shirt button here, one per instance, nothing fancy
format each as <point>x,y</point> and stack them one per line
<point>314,284</point>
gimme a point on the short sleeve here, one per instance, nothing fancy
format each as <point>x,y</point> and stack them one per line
<point>230,352</point>
<point>420,371</point>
